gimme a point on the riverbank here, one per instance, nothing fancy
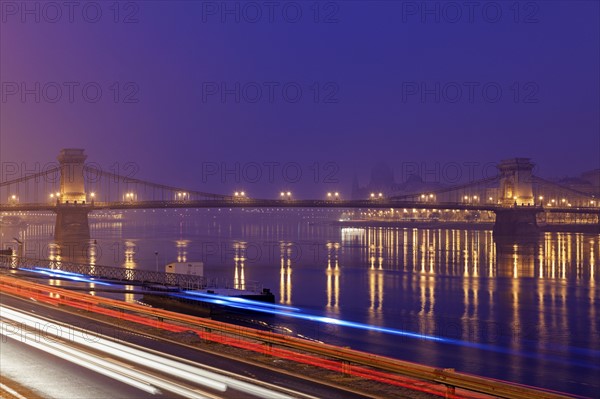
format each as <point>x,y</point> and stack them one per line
<point>567,228</point>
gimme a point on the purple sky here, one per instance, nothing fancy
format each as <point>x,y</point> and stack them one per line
<point>379,82</point>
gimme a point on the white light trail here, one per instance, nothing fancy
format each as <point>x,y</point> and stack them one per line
<point>109,372</point>
<point>130,376</point>
<point>132,354</point>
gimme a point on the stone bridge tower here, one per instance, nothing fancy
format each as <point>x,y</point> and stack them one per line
<point>517,215</point>
<point>516,181</point>
<point>72,187</point>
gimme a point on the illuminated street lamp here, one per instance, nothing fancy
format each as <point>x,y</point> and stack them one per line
<point>334,196</point>
<point>286,195</point>
<point>181,196</point>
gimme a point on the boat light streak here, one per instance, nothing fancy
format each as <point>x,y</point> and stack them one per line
<point>56,274</point>
<point>257,306</point>
<point>319,319</point>
<point>241,300</point>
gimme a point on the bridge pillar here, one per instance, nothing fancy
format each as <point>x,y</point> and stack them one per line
<point>516,221</point>
<point>516,182</point>
<point>72,187</point>
<point>72,228</point>
<point>72,223</point>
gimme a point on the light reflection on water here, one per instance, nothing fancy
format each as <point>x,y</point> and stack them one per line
<point>537,297</point>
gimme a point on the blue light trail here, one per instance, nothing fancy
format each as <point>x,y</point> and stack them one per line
<point>63,274</point>
<point>287,311</point>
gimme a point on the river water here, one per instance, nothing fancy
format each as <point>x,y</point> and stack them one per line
<point>524,311</point>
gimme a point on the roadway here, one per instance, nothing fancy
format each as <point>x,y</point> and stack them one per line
<point>431,379</point>
<point>57,377</point>
<point>291,203</point>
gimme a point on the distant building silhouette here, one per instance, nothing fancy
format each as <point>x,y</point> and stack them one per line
<point>588,182</point>
<point>593,177</point>
<point>382,181</point>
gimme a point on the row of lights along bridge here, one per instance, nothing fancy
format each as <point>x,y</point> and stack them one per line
<point>287,195</point>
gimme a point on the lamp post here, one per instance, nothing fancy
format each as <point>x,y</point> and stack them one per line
<point>156,256</point>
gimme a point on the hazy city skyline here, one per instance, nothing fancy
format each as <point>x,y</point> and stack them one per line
<point>178,87</point>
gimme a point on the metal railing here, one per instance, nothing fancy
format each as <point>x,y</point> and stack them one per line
<point>139,276</point>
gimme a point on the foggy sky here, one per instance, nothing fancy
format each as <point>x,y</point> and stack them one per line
<point>189,89</point>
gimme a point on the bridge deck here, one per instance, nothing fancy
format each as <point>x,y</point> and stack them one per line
<point>262,203</point>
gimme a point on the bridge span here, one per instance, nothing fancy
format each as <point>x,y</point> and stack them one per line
<point>276,203</point>
<point>515,196</point>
